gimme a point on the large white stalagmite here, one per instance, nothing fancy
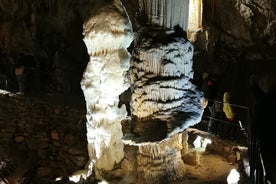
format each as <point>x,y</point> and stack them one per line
<point>107,35</point>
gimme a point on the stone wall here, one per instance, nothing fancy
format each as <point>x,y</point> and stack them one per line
<point>48,139</point>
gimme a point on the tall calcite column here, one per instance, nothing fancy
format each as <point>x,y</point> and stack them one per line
<point>107,34</point>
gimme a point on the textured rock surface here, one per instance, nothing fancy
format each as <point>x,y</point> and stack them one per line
<point>240,41</point>
<point>163,94</point>
<point>43,140</point>
<point>103,81</point>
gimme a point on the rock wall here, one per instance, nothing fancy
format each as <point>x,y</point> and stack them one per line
<point>48,141</point>
<point>240,22</point>
<point>237,41</point>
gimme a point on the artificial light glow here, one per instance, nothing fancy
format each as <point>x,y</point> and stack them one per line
<point>200,143</point>
<point>197,142</point>
<point>74,178</point>
<point>58,179</point>
<point>233,177</point>
<point>103,182</point>
<point>205,142</point>
<point>246,167</point>
<point>78,175</point>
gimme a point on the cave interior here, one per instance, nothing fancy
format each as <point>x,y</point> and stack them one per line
<point>232,41</point>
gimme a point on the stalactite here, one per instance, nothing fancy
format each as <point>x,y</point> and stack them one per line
<point>178,12</point>
<point>153,11</point>
<point>166,13</point>
<point>149,5</point>
<point>172,13</point>
<point>161,12</point>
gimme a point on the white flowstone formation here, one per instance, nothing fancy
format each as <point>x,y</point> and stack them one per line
<point>161,76</point>
<point>107,35</point>
<point>164,103</point>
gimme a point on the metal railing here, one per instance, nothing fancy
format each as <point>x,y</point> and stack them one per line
<point>257,165</point>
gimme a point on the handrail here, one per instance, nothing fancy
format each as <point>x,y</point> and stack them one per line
<point>232,104</point>
<point>257,165</point>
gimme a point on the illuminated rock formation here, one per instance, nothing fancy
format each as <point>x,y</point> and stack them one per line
<point>164,103</point>
<point>107,34</point>
<point>164,97</point>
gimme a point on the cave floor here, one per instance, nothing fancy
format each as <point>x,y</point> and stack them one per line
<point>213,169</point>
